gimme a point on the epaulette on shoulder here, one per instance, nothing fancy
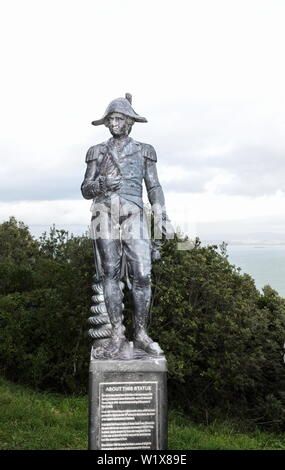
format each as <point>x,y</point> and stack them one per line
<point>149,152</point>
<point>93,152</point>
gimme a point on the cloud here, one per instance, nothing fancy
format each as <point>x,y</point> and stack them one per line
<point>213,97</point>
<point>44,172</point>
<point>251,171</point>
<point>196,207</point>
<point>48,212</point>
<point>41,172</point>
<point>255,170</point>
<point>206,215</point>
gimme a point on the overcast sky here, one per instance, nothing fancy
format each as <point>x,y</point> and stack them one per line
<point>209,76</point>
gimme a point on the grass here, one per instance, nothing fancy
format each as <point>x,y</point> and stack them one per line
<point>185,435</point>
<point>34,420</point>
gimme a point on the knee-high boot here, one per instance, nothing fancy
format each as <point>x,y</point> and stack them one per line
<point>141,297</point>
<point>113,301</point>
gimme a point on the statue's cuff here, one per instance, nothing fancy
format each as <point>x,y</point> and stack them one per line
<point>96,190</point>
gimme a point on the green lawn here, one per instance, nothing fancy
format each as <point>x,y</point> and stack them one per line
<point>33,420</point>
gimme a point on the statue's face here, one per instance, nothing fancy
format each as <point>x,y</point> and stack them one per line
<point>118,124</point>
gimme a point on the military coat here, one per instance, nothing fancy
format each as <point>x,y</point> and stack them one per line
<point>134,163</point>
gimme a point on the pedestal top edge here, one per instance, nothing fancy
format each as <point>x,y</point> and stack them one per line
<point>150,364</point>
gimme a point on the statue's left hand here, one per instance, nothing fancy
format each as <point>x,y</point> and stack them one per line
<point>167,227</point>
<point>155,250</point>
<point>155,255</point>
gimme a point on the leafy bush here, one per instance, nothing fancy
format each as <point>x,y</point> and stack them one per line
<point>43,329</point>
<point>222,338</point>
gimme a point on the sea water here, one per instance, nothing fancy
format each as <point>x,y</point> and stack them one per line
<point>265,263</point>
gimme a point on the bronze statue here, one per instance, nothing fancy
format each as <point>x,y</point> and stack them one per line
<point>123,249</point>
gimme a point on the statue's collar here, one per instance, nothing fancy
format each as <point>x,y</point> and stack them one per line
<point>119,143</point>
<point>126,147</point>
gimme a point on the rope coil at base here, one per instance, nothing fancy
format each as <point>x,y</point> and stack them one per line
<point>99,321</point>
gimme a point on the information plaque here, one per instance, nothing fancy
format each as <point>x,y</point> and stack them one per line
<point>128,415</point>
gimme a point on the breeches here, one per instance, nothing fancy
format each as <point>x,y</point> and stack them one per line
<point>124,236</point>
<point>137,256</point>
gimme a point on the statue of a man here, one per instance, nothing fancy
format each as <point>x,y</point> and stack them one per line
<point>114,180</point>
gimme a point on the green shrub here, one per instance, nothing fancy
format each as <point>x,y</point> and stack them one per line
<point>222,338</point>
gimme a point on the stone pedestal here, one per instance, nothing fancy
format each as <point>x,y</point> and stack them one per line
<point>128,404</point>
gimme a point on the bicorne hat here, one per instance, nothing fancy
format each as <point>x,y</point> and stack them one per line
<point>123,106</point>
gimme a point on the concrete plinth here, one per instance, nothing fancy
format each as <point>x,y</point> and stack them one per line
<point>128,404</point>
